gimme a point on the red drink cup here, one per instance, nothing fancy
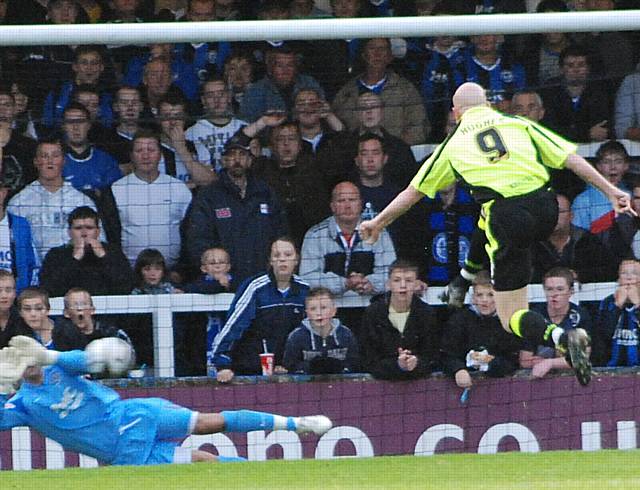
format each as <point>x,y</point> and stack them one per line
<point>266,361</point>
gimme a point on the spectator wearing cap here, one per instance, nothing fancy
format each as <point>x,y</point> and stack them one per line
<point>47,202</point>
<point>276,90</point>
<point>151,205</point>
<point>239,213</point>
<point>17,251</point>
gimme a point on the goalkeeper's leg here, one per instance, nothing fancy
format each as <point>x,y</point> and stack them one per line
<point>249,420</point>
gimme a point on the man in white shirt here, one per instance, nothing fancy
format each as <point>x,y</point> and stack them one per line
<point>150,205</point>
<point>47,202</point>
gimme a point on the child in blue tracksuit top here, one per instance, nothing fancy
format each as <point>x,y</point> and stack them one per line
<point>321,345</point>
<point>84,416</point>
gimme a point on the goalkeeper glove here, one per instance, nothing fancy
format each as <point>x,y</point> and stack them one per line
<point>30,348</point>
<point>12,366</point>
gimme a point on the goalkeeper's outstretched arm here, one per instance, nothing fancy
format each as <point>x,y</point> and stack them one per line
<point>107,353</point>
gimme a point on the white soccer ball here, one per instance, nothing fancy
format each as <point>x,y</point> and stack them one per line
<point>109,354</point>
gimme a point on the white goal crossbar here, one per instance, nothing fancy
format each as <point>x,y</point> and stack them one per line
<point>180,32</point>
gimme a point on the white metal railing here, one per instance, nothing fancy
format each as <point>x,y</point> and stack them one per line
<point>163,306</point>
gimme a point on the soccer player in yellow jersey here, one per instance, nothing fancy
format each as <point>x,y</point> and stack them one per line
<point>505,160</point>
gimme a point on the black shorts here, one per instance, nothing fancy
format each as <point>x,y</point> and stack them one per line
<point>512,226</point>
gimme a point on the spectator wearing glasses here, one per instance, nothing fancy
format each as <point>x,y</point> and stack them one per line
<point>86,262</point>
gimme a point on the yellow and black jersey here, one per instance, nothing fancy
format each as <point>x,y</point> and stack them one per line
<point>495,154</point>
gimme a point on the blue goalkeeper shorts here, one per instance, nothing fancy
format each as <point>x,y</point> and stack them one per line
<point>171,422</point>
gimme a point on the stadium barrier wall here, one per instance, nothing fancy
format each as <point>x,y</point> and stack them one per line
<point>374,418</point>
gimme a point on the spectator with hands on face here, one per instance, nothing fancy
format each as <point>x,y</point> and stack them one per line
<point>615,336</point>
<point>85,261</point>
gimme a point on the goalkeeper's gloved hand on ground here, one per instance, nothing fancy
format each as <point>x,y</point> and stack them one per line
<point>30,348</point>
<point>455,293</point>
<point>12,366</point>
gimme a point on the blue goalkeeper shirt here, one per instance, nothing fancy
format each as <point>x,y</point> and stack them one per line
<point>82,415</point>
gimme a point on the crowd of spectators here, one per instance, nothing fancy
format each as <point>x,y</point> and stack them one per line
<point>229,166</point>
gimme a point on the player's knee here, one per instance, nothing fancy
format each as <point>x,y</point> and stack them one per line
<point>209,423</point>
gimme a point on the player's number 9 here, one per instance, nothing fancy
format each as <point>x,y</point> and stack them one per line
<point>490,141</point>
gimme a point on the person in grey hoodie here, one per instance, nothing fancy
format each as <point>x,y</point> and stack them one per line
<point>321,344</point>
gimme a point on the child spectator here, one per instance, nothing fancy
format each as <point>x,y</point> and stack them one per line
<point>400,335</point>
<point>80,325</point>
<point>615,336</point>
<point>33,305</point>
<point>215,265</point>
<point>558,288</point>
<point>150,272</point>
<point>475,340</point>
<point>322,344</point>
<point>10,322</point>
<point>266,308</point>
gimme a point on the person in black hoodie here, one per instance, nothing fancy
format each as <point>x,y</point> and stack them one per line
<point>475,340</point>
<point>321,344</point>
<point>399,336</point>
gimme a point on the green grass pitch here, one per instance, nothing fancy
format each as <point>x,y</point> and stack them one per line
<point>561,470</point>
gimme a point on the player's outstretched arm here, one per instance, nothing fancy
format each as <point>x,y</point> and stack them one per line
<point>620,200</point>
<point>370,230</point>
<point>12,366</point>
<point>110,353</point>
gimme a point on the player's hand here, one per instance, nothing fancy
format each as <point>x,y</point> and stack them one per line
<point>12,367</point>
<point>224,375</point>
<point>463,379</point>
<point>33,350</point>
<point>370,231</point>
<point>621,202</point>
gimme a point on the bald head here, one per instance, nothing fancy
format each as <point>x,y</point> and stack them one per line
<point>467,96</point>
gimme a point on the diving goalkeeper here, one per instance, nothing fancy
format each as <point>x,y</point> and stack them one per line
<point>87,417</point>
<point>504,160</point>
